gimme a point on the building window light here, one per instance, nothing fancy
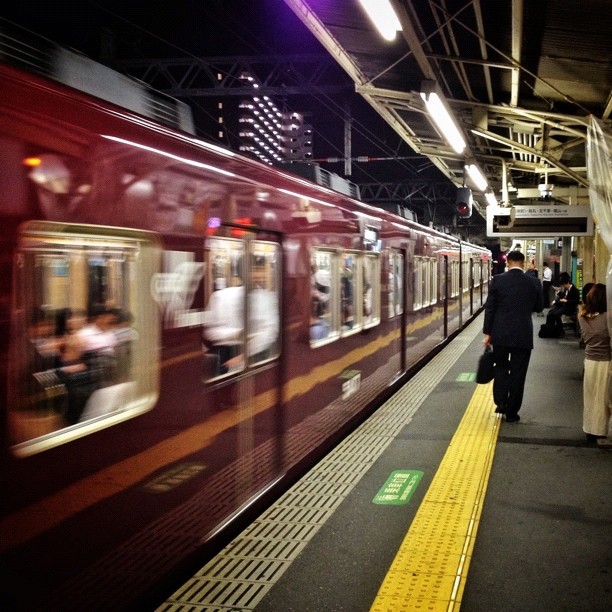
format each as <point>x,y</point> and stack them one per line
<point>476,175</point>
<point>383,16</point>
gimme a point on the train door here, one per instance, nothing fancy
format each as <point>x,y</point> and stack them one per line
<point>444,292</point>
<point>241,337</point>
<point>471,281</point>
<point>396,288</point>
<point>480,281</point>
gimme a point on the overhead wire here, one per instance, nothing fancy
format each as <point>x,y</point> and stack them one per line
<point>235,32</point>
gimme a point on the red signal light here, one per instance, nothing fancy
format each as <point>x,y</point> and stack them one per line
<point>463,203</point>
<point>463,209</point>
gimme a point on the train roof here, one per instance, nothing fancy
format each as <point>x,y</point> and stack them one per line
<point>151,137</point>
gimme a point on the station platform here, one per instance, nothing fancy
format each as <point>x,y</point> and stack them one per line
<point>436,503</point>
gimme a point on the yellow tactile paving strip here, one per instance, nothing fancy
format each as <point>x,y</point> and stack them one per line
<point>431,566</point>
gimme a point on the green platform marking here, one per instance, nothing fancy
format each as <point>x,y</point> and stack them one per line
<point>398,488</point>
<point>466,377</point>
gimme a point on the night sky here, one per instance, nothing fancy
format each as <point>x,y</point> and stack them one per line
<point>108,30</point>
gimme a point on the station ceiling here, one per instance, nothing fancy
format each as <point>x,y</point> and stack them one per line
<point>521,79</point>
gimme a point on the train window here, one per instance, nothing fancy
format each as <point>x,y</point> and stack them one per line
<point>233,319</point>
<point>396,283</point>
<point>263,324</point>
<point>224,315</point>
<point>426,281</point>
<point>175,288</point>
<point>432,277</point>
<point>85,332</point>
<point>454,278</point>
<point>477,273</point>
<point>443,281</point>
<point>323,299</point>
<point>417,298</point>
<point>370,287</point>
<point>345,294</point>
<point>349,292</point>
<point>465,273</point>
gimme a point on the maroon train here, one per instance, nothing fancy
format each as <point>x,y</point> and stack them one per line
<point>183,331</point>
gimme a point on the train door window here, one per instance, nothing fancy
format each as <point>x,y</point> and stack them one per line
<point>263,320</point>
<point>223,329</point>
<point>471,277</point>
<point>236,323</point>
<point>466,274</point>
<point>85,332</point>
<point>323,297</point>
<point>417,299</point>
<point>443,272</point>
<point>454,278</point>
<point>396,283</point>
<point>349,292</point>
<point>426,278</point>
<point>432,280</point>
<point>370,287</point>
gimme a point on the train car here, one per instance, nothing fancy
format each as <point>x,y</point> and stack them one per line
<point>183,331</point>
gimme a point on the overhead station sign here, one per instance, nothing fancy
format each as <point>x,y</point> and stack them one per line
<point>545,220</point>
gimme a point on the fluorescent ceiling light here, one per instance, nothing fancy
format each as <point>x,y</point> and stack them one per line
<point>477,176</point>
<point>382,14</point>
<point>491,199</point>
<point>444,121</point>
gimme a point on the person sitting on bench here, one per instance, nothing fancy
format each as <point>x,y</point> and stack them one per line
<point>566,303</point>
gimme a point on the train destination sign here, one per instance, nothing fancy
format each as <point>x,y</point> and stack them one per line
<point>546,220</point>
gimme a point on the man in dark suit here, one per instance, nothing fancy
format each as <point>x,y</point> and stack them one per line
<point>566,302</point>
<point>508,326</point>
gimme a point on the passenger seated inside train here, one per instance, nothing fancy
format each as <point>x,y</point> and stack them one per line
<point>100,343</point>
<point>346,295</point>
<point>76,356</point>
<point>319,323</point>
<point>320,285</point>
<point>73,368</point>
<point>42,346</point>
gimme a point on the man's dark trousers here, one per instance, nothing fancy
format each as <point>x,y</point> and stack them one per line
<point>546,285</point>
<point>510,372</point>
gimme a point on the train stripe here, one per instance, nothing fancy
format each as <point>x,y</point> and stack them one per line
<point>49,512</point>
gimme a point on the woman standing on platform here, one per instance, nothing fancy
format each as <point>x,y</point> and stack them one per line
<point>597,391</point>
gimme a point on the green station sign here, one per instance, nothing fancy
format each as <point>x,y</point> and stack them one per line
<point>398,488</point>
